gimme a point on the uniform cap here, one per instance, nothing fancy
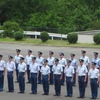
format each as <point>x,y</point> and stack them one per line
<point>51,52</point>
<point>69,61</point>
<point>33,58</point>
<point>72,54</point>
<point>81,60</point>
<point>11,57</point>
<point>18,50</point>
<point>95,53</point>
<point>61,53</point>
<point>93,62</point>
<point>21,58</point>
<point>39,52</point>
<point>29,50</point>
<point>1,55</point>
<point>83,51</point>
<point>56,59</point>
<point>45,60</point>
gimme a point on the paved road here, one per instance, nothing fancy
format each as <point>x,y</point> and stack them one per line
<point>7,49</point>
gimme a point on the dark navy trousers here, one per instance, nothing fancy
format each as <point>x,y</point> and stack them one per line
<point>17,72</point>
<point>39,76</point>
<point>45,83</point>
<point>51,75</point>
<point>63,77</point>
<point>34,82</point>
<point>1,81</point>
<point>69,86</point>
<point>81,85</point>
<point>94,87</point>
<point>74,79</point>
<point>10,81</point>
<point>21,82</point>
<point>28,73</point>
<point>57,83</point>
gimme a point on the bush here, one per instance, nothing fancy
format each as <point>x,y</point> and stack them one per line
<point>72,37</point>
<point>18,36</point>
<point>96,38</point>
<point>6,33</point>
<point>44,36</point>
<point>10,28</point>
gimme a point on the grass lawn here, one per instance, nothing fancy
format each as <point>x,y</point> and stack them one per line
<point>49,42</point>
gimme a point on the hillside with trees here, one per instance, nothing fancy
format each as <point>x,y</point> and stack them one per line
<point>60,16</point>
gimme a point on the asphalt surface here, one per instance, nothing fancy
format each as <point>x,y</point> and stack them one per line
<point>9,49</point>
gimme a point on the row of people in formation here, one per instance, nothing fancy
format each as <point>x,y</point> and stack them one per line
<point>55,72</point>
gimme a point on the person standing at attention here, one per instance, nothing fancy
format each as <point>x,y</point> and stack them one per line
<point>82,76</point>
<point>57,71</point>
<point>94,80</point>
<point>34,71</point>
<point>22,73</point>
<point>63,63</point>
<point>69,74</point>
<point>51,63</point>
<point>40,61</point>
<point>2,72</point>
<point>74,65</point>
<point>17,61</point>
<point>86,63</point>
<point>28,61</point>
<point>11,68</point>
<point>45,72</point>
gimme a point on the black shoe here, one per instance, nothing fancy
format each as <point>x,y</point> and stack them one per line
<point>22,92</point>
<point>19,92</point>
<point>16,81</point>
<point>31,93</point>
<point>28,82</point>
<point>58,94</point>
<point>66,96</point>
<point>79,97</point>
<point>35,93</point>
<point>7,91</point>
<point>82,97</point>
<point>11,91</point>
<point>55,95</point>
<point>93,98</point>
<point>47,93</point>
<point>44,94</point>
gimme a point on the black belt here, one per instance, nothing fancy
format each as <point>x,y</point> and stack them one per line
<point>93,78</point>
<point>45,75</point>
<point>81,76</point>
<point>57,74</point>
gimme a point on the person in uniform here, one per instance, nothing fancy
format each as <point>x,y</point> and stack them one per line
<point>63,63</point>
<point>28,61</point>
<point>45,72</point>
<point>94,80</point>
<point>74,65</point>
<point>51,63</point>
<point>82,76</point>
<point>17,61</point>
<point>86,63</point>
<point>97,60</point>
<point>10,73</point>
<point>69,74</point>
<point>40,61</point>
<point>22,73</point>
<point>2,72</point>
<point>34,70</point>
<point>57,71</point>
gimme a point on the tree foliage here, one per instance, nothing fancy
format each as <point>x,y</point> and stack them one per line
<point>9,28</point>
<point>52,15</point>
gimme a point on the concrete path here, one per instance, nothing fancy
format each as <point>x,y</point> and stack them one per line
<point>9,49</point>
